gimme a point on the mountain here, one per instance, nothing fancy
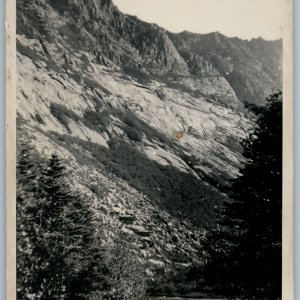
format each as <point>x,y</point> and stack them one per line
<point>148,122</point>
<point>228,70</point>
<point>252,68</point>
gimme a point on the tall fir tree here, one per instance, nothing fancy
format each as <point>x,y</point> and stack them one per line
<point>58,240</point>
<point>244,251</point>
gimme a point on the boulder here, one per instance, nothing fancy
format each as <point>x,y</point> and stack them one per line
<point>140,230</point>
<point>127,231</point>
<point>149,273</point>
<point>117,210</point>
<point>127,219</point>
<point>196,244</point>
<point>169,247</point>
<point>155,263</point>
<point>144,253</point>
<point>104,209</point>
<point>147,241</point>
<point>175,238</point>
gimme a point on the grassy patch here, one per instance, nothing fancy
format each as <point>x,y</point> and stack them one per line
<point>234,144</point>
<point>134,127</point>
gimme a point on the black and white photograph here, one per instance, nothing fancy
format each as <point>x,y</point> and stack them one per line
<point>150,150</point>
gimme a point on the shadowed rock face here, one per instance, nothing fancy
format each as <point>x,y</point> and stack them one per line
<point>148,122</point>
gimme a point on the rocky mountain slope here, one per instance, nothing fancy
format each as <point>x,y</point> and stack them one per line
<point>148,122</point>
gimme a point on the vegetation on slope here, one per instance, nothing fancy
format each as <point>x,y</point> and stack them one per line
<point>181,194</point>
<point>60,252</point>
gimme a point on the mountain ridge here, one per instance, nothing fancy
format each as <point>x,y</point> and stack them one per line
<point>150,49</point>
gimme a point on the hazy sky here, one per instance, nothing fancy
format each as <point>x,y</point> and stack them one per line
<point>242,18</point>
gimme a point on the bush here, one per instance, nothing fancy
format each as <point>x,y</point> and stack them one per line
<point>39,119</point>
<point>62,114</point>
<point>126,276</point>
<point>133,134</point>
<point>178,281</point>
<point>97,121</point>
<point>92,84</point>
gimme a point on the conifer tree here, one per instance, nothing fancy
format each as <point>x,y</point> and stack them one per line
<point>60,244</point>
<point>244,251</point>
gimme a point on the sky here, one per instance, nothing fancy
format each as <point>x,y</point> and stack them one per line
<point>242,18</point>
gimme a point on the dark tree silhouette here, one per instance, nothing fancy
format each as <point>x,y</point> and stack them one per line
<point>244,251</point>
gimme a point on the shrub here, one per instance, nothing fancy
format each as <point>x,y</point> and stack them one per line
<point>97,121</point>
<point>126,276</point>
<point>31,53</point>
<point>92,84</point>
<point>62,114</point>
<point>132,120</point>
<point>133,134</point>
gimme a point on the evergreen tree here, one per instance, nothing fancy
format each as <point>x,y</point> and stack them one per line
<point>58,240</point>
<point>244,251</point>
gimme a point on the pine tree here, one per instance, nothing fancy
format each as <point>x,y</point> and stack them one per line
<point>245,248</point>
<point>73,245</point>
<point>61,244</point>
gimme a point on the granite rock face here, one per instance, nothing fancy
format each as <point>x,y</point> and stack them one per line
<point>148,122</point>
